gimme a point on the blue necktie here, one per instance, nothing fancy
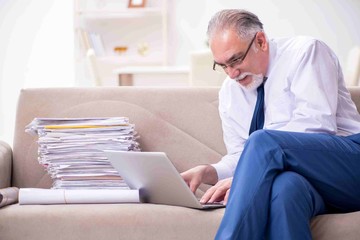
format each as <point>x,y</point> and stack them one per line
<point>257,121</point>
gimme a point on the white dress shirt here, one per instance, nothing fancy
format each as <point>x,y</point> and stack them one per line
<point>304,92</point>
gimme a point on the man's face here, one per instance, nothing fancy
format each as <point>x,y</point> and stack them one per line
<point>227,47</point>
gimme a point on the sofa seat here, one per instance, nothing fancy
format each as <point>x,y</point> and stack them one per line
<point>107,221</point>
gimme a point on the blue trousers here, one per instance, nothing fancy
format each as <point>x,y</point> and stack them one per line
<point>283,179</point>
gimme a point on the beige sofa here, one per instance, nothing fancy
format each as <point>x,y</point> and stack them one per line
<point>183,122</point>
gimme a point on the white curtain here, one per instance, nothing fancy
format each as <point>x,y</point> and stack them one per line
<point>36,50</point>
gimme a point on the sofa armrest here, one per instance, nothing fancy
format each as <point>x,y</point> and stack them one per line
<point>5,165</point>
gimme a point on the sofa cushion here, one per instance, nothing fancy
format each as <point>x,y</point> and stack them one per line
<point>336,226</point>
<point>107,221</point>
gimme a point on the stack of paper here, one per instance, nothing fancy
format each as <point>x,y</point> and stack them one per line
<point>71,150</point>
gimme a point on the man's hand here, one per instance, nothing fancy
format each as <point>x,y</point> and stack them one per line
<point>219,192</point>
<point>199,174</point>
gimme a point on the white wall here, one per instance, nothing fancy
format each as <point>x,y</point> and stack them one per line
<point>333,21</point>
<point>36,50</point>
<point>36,43</point>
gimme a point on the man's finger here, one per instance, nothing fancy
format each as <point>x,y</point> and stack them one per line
<point>226,198</point>
<point>218,195</point>
<point>205,198</point>
<point>194,185</point>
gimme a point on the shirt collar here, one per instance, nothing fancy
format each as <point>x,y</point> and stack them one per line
<point>272,56</point>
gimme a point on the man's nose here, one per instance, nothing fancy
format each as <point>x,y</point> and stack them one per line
<point>232,72</point>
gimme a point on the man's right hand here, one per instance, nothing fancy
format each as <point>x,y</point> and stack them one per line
<point>200,174</point>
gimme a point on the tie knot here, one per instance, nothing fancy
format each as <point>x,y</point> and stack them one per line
<point>261,87</point>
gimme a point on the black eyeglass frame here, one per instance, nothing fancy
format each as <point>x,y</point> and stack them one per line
<point>236,61</point>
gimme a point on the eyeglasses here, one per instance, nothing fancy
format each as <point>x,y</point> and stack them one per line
<point>235,62</point>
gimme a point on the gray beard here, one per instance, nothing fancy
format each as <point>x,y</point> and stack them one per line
<point>257,80</point>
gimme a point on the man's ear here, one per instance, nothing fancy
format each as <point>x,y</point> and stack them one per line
<point>261,41</point>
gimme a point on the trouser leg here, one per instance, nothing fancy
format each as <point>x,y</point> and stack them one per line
<point>293,201</point>
<point>330,163</point>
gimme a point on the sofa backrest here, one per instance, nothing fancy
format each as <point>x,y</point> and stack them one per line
<point>355,95</point>
<point>183,122</point>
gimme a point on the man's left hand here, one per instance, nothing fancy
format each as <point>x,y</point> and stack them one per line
<point>219,192</point>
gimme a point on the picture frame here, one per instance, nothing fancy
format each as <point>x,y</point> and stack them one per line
<point>137,3</point>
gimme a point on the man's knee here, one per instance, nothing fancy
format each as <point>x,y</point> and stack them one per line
<point>262,140</point>
<point>260,136</point>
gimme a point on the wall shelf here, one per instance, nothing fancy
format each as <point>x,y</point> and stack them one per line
<point>106,25</point>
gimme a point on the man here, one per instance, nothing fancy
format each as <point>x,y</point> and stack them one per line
<point>306,159</point>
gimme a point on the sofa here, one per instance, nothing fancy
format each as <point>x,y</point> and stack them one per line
<point>183,122</point>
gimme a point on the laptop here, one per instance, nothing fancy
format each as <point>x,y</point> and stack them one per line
<point>156,178</point>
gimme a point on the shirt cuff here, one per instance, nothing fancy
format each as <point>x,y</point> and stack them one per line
<point>223,171</point>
